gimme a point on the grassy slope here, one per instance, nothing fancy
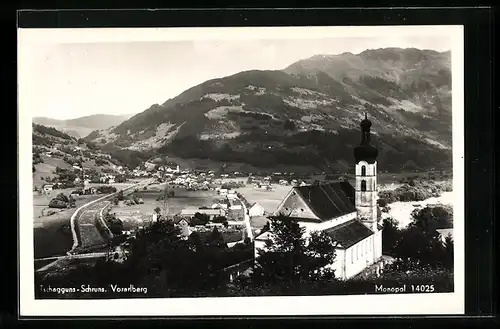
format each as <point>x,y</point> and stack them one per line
<point>47,168</point>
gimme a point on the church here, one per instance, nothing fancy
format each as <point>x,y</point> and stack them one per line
<point>349,214</point>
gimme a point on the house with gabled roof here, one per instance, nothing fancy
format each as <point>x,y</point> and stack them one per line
<point>348,214</point>
<point>255,209</point>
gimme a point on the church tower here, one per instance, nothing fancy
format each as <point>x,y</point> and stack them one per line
<point>366,178</point>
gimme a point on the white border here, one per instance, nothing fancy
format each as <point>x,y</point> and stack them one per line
<point>415,304</point>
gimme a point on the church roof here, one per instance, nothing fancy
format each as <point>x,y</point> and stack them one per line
<point>349,233</point>
<point>329,200</point>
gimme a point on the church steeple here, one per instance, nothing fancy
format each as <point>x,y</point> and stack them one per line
<point>366,177</point>
<point>365,151</point>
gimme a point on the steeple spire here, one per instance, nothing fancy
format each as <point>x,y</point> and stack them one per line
<point>365,151</point>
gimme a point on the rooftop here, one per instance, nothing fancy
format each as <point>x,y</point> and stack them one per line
<point>349,233</point>
<point>329,200</point>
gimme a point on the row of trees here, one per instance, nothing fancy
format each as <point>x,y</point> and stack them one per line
<point>415,190</point>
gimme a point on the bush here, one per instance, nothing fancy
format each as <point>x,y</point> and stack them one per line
<point>56,203</point>
<point>413,190</point>
<point>219,219</point>
<point>100,162</point>
<point>382,202</point>
<point>106,189</point>
<point>62,197</point>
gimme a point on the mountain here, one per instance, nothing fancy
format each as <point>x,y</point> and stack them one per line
<point>81,127</point>
<point>307,114</point>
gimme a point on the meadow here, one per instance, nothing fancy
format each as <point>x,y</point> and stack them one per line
<point>135,215</point>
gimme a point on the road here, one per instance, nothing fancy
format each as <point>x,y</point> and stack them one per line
<point>89,236</point>
<point>247,220</point>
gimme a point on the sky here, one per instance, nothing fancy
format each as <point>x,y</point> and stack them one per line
<point>64,79</point>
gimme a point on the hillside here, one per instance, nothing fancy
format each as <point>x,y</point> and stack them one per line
<point>54,149</point>
<point>81,127</point>
<point>306,114</point>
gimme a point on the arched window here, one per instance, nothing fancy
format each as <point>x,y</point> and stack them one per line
<point>363,170</point>
<point>363,185</point>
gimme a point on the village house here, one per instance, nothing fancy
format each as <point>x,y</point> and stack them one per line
<point>221,205</point>
<point>255,210</point>
<point>231,195</point>
<point>349,214</point>
<point>183,224</point>
<point>48,187</point>
<point>234,204</point>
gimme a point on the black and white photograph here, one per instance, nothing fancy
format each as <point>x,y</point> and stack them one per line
<point>241,171</point>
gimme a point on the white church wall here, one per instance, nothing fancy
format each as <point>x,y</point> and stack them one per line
<point>378,245</point>
<point>358,258</point>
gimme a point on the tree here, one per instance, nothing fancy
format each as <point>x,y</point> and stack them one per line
<point>220,219</point>
<point>120,196</point>
<point>416,245</point>
<point>432,217</point>
<point>382,202</point>
<point>115,225</point>
<point>62,197</point>
<point>202,218</point>
<point>71,202</point>
<point>391,235</point>
<point>266,227</point>
<point>290,259</point>
<point>56,203</point>
<point>448,252</point>
<point>215,239</point>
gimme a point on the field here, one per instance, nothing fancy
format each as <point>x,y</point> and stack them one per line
<point>268,199</point>
<point>132,216</point>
